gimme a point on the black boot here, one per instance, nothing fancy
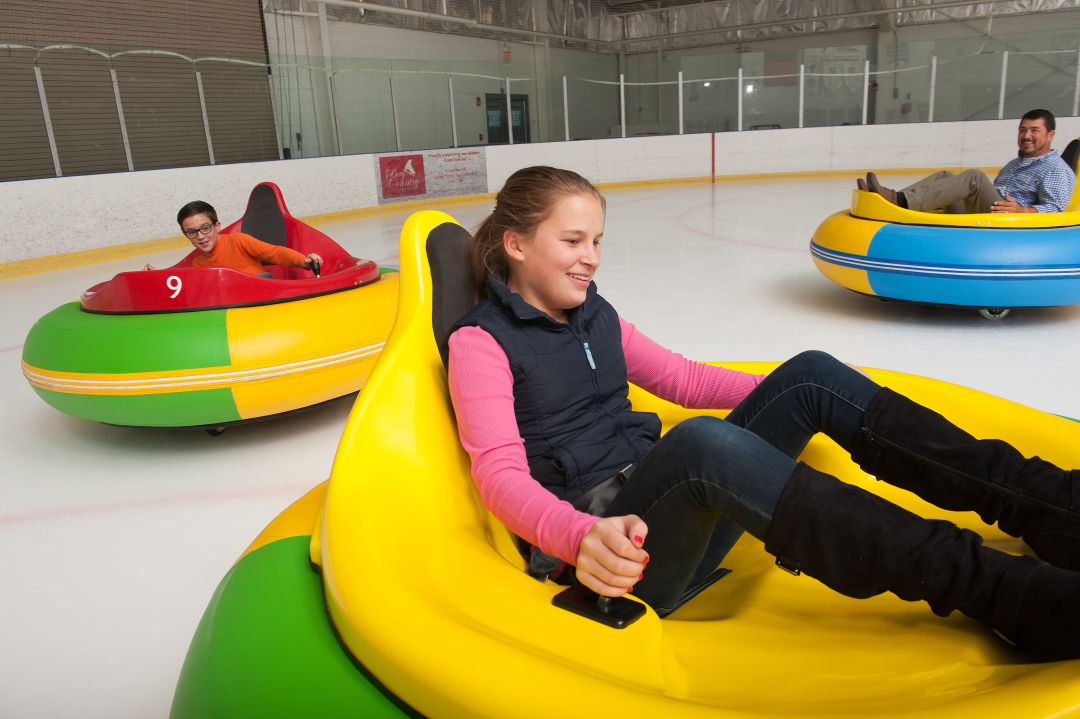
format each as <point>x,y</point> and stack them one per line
<point>861,545</point>
<point>910,446</point>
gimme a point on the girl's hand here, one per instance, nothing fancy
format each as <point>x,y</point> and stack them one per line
<point>610,559</point>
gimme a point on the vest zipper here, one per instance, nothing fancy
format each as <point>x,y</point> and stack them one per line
<point>577,329</point>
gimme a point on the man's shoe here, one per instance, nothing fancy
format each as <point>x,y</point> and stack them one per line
<point>874,186</point>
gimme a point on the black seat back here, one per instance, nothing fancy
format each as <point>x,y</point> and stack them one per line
<point>1071,154</point>
<point>263,218</point>
<point>452,292</point>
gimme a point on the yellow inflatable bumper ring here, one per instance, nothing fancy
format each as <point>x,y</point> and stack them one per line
<point>431,612</point>
<point>428,592</point>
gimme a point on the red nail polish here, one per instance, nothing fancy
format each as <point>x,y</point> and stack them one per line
<point>640,577</point>
<point>646,559</point>
<point>638,539</point>
<point>629,590</point>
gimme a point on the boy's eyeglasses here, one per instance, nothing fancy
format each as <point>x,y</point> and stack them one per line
<point>194,232</point>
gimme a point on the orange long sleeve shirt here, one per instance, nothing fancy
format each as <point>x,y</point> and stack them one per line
<point>242,252</point>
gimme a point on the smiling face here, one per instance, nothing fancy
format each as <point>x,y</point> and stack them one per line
<point>205,241</point>
<point>1033,138</point>
<point>552,269</point>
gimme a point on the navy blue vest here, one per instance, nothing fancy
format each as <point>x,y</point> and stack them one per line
<point>570,389</point>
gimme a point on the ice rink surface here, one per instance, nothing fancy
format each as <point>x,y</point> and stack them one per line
<point>112,539</point>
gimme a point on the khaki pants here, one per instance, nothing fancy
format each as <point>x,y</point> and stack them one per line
<point>970,191</point>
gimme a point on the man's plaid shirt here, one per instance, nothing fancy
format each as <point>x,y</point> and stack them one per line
<point>1044,182</point>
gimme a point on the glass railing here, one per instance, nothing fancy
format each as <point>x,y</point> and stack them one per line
<point>386,106</point>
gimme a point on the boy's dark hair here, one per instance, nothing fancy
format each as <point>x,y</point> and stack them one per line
<point>198,207</point>
<point>1040,114</point>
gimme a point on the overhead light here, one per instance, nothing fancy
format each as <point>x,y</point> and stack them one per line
<point>750,88</point>
<point>707,84</point>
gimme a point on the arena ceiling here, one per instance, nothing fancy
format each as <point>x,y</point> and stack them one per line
<point>681,23</point>
<point>645,25</point>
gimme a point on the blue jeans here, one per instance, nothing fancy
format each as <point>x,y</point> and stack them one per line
<point>708,480</point>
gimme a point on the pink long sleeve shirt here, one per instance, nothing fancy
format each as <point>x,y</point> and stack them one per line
<point>481,387</point>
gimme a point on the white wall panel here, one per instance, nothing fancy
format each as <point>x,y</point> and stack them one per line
<point>68,214</point>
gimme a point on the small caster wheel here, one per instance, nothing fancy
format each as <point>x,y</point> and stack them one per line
<point>995,313</point>
<point>215,431</point>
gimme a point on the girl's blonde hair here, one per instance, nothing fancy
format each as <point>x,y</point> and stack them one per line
<point>525,201</point>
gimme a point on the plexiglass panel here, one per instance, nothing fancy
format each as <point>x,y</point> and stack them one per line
<point>380,105</point>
